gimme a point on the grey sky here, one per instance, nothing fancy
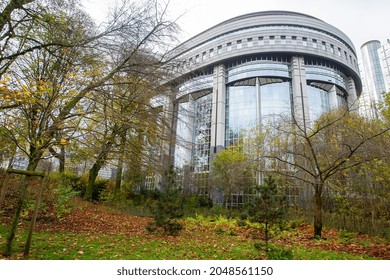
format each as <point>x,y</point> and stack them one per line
<point>361,20</point>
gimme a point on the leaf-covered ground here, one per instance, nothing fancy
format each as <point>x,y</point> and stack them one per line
<point>94,231</point>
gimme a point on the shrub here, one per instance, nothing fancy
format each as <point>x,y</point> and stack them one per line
<point>274,252</point>
<point>69,179</point>
<point>99,186</point>
<point>346,237</point>
<point>268,207</point>
<point>167,210</point>
<point>219,230</point>
<point>279,253</point>
<point>193,202</point>
<point>63,203</point>
<point>169,207</point>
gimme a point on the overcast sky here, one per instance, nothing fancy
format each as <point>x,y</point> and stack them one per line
<point>361,20</point>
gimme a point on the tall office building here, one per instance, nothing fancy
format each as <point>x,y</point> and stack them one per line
<point>247,69</point>
<point>376,76</point>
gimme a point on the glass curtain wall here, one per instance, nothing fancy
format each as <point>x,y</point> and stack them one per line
<point>318,96</point>
<point>251,102</point>
<point>241,110</point>
<point>193,133</point>
<point>318,102</point>
<point>259,96</point>
<point>202,133</point>
<point>184,132</point>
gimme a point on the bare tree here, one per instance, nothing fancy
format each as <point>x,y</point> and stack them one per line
<point>337,142</point>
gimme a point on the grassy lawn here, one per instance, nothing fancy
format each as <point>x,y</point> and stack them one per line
<point>201,239</point>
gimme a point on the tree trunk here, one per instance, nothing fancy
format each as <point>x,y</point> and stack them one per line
<point>94,171</point>
<point>4,184</point>
<point>62,159</point>
<point>229,203</point>
<point>318,210</point>
<point>118,179</point>
<point>32,165</point>
<point>15,220</point>
<point>266,236</point>
<point>4,189</point>
<point>44,183</point>
<point>60,156</point>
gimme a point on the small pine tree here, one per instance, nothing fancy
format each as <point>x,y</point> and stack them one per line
<point>169,206</point>
<point>268,207</point>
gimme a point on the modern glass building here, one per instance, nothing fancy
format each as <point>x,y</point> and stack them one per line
<point>250,68</point>
<point>375,74</point>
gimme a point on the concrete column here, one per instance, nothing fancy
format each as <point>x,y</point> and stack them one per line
<point>258,102</point>
<point>333,98</point>
<point>299,88</point>
<point>191,125</point>
<point>218,113</point>
<point>352,95</point>
<point>169,129</point>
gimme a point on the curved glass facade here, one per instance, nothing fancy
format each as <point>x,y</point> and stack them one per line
<point>258,69</point>
<point>255,91</point>
<point>241,112</point>
<point>183,147</point>
<point>248,105</point>
<point>202,133</point>
<point>245,72</point>
<point>195,84</point>
<point>318,102</point>
<point>326,74</point>
<point>193,132</point>
<point>275,99</point>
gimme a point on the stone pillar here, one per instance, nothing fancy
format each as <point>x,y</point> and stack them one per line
<point>299,88</point>
<point>352,95</point>
<point>169,120</point>
<point>218,114</point>
<point>333,98</point>
<point>258,102</point>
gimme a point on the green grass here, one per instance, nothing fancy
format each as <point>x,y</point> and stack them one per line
<point>307,253</point>
<point>205,245</point>
<point>84,246</point>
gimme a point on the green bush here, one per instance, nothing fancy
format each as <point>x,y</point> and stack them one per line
<point>144,197</point>
<point>219,230</point>
<point>63,203</point>
<point>279,253</point>
<point>70,179</point>
<point>194,202</point>
<point>269,207</point>
<point>347,237</point>
<point>98,188</point>
<point>274,252</point>
<point>78,184</point>
<point>169,207</point>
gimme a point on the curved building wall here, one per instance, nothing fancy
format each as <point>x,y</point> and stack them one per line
<point>376,75</point>
<point>372,69</point>
<point>250,68</point>
<point>268,32</point>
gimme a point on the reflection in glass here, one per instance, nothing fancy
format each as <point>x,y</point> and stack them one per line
<point>183,147</point>
<point>249,102</point>
<point>240,112</point>
<point>202,133</point>
<point>318,102</point>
